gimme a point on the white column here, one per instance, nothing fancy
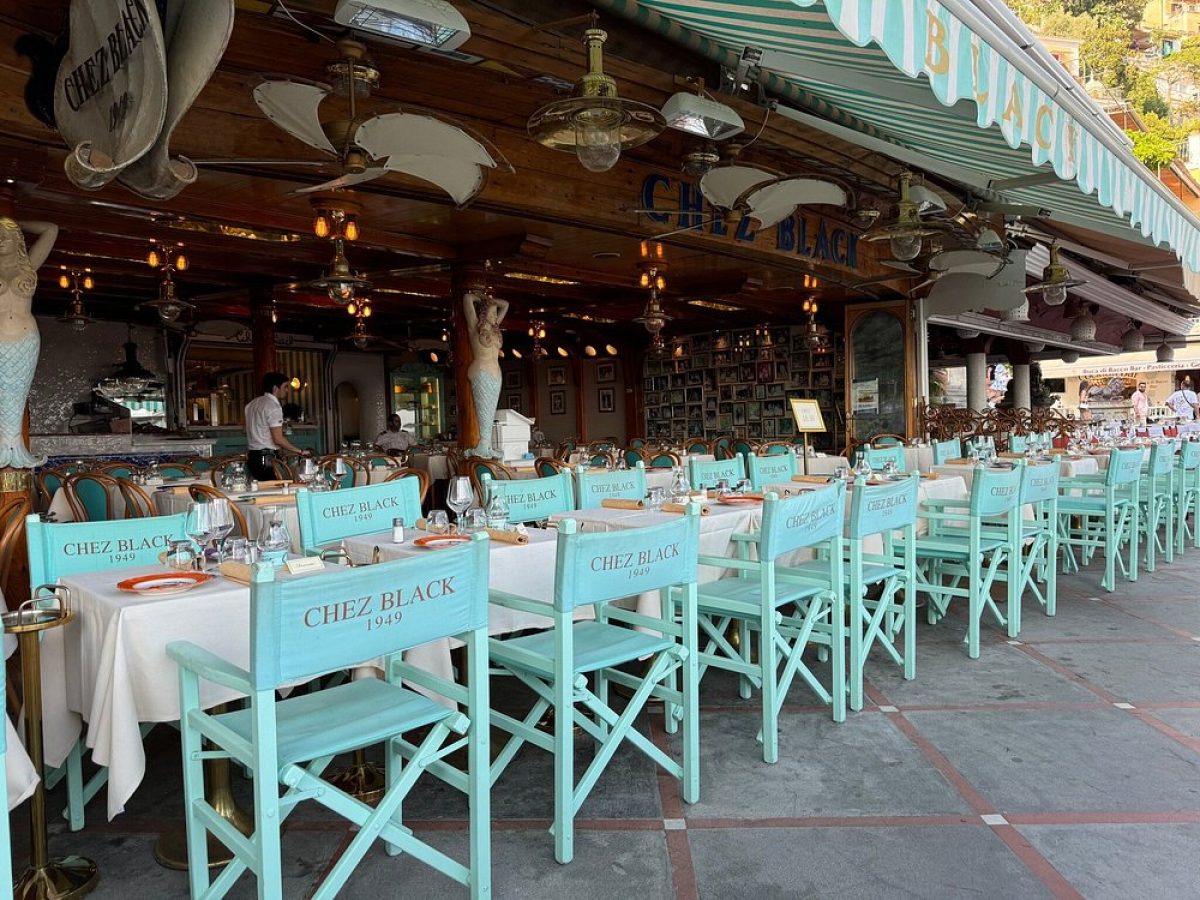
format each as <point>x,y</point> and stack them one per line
<point>1021,398</point>
<point>977,381</point>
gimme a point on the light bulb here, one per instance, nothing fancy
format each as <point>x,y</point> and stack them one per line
<point>88,284</point>
<point>341,292</point>
<point>169,312</point>
<point>274,316</point>
<point>64,281</point>
<point>295,382</point>
<point>352,308</point>
<point>660,283</point>
<point>589,350</point>
<point>361,342</point>
<point>517,353</point>
<point>598,139</point>
<point>153,259</point>
<point>905,247</point>
<point>181,262</point>
<point>366,311</point>
<point>644,281</point>
<point>351,230</point>
<point>1054,294</point>
<point>610,349</point>
<point>433,357</point>
<point>321,226</point>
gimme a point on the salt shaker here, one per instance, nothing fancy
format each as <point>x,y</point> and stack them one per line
<point>397,531</point>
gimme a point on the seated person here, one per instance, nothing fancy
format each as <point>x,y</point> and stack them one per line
<point>395,439</point>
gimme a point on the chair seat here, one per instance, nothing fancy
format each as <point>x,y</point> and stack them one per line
<point>598,645</point>
<point>1071,504</point>
<point>343,718</point>
<point>872,572</point>
<point>952,546</point>
<point>743,596</point>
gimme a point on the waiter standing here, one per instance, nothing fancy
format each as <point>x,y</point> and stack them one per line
<point>264,428</point>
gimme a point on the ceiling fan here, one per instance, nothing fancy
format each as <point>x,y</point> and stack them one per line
<point>418,144</point>
<point>988,258</point>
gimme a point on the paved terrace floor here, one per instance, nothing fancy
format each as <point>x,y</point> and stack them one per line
<point>1065,764</point>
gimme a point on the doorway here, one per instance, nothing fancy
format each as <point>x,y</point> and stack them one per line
<point>346,400</point>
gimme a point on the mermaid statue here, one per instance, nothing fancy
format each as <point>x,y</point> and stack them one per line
<point>484,315</point>
<point>19,339</point>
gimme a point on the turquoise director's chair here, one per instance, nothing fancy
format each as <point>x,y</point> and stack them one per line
<point>1039,546</point>
<point>329,517</point>
<point>788,615</point>
<point>593,487</point>
<point>764,470</point>
<point>943,451</point>
<point>595,569</point>
<point>707,472</point>
<point>57,549</point>
<point>1157,499</point>
<point>531,499</point>
<point>1106,514</point>
<point>1187,495</point>
<point>878,457</point>
<point>973,545</point>
<point>397,605</point>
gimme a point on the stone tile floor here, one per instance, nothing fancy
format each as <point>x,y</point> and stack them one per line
<point>1064,764</point>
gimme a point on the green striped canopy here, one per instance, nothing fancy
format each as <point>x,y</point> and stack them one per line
<point>912,75</point>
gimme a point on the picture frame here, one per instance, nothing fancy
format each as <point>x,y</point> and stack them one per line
<point>760,391</point>
<point>606,400</point>
<point>558,403</point>
<point>781,370</point>
<point>513,401</point>
<point>606,372</point>
<point>739,414</point>
<point>766,371</point>
<point>807,415</point>
<point>512,379</point>
<point>768,428</point>
<point>556,376</point>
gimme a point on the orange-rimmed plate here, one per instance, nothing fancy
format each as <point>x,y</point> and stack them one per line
<point>738,501</point>
<point>163,583</point>
<point>439,541</point>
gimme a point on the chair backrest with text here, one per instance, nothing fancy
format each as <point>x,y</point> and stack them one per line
<point>775,469</point>
<point>805,520</point>
<point>882,508</point>
<point>532,499</point>
<point>946,450</point>
<point>330,516</point>
<point>879,457</point>
<point>706,473</point>
<point>594,487</point>
<point>67,548</point>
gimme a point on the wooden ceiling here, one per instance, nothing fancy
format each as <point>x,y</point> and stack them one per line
<point>550,218</point>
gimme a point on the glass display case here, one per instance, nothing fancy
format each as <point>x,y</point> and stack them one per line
<point>418,397</point>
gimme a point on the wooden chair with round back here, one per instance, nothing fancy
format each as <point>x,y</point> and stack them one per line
<point>116,468</point>
<point>546,466</point>
<point>138,504</point>
<point>634,455</point>
<point>354,473</point>
<point>774,448</point>
<point>722,447</point>
<point>49,482</point>
<point>12,523</point>
<point>202,493</point>
<point>90,496</point>
<point>697,445</point>
<point>476,468</point>
<point>408,472</point>
<point>175,469</point>
<point>662,459</point>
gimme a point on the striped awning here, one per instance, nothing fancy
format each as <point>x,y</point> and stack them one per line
<point>956,86</point>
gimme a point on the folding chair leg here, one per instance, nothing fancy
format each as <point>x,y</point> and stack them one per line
<point>767,662</point>
<point>564,770</point>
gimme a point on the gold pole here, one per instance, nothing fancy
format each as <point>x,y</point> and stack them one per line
<point>45,878</point>
<point>805,433</point>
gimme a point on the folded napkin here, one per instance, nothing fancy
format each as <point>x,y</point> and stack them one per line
<point>615,503</point>
<point>1011,455</point>
<point>930,476</point>
<point>959,461</point>
<point>508,537</point>
<point>273,500</point>
<point>813,479</point>
<point>267,485</point>
<point>236,571</point>
<point>682,508</point>
<point>176,489</point>
<point>749,496</point>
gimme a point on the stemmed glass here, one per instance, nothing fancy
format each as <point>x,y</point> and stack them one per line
<point>199,526</point>
<point>459,496</point>
<point>308,470</point>
<point>220,523</point>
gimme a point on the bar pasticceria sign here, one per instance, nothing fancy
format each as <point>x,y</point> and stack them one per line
<point>678,203</point>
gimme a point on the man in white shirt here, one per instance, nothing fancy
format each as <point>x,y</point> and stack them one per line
<point>1139,404</point>
<point>1184,401</point>
<point>264,428</point>
<point>395,439</point>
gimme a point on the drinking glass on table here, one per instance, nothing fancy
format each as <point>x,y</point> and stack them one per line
<point>220,521</point>
<point>473,520</point>
<point>308,470</point>
<point>181,556</point>
<point>241,550</point>
<point>199,527</point>
<point>655,497</point>
<point>438,522</point>
<point>459,496</point>
<point>274,540</point>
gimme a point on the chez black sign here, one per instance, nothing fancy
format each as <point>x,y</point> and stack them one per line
<point>382,609</point>
<point>800,233</point>
<point>97,67</point>
<point>616,562</point>
<point>361,508</point>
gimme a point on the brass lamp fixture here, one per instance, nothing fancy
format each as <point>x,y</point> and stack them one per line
<point>537,331</point>
<point>169,305</point>
<point>1056,281</point>
<point>652,267</point>
<point>160,256</point>
<point>339,281</point>
<point>76,315</point>
<point>812,335</point>
<point>595,124</point>
<point>905,234</point>
<point>335,215</point>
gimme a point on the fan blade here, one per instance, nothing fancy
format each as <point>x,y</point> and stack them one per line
<point>880,279</point>
<point>926,283</point>
<point>313,163</point>
<point>460,179</point>
<point>722,185</point>
<point>345,180</point>
<point>700,224</point>
<point>771,203</point>
<point>408,134</point>
<point>292,104</point>
<point>900,266</point>
<point>969,262</point>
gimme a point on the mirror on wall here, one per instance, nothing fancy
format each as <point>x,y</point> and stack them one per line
<point>877,385</point>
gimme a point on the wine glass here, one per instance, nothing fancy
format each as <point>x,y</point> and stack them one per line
<point>220,521</point>
<point>437,523</point>
<point>308,470</point>
<point>274,541</point>
<point>459,496</point>
<point>199,526</point>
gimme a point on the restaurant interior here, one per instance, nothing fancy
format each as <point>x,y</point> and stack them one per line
<point>726,254</point>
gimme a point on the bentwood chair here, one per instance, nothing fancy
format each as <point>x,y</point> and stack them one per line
<point>722,447</point>
<point>49,482</point>
<point>90,496</point>
<point>887,440</point>
<point>545,466</point>
<point>554,664</point>
<point>973,546</point>
<point>879,457</point>
<point>12,525</point>
<point>202,493</point>
<point>706,473</point>
<point>1187,495</point>
<point>1157,498</point>
<point>1101,512</point>
<point>943,451</point>
<point>592,488</point>
<point>116,469</point>
<point>565,449</point>
<point>764,470</point>
<point>788,615</point>
<point>743,448</point>
<point>635,455</point>
<point>353,474</point>
<point>475,468</point>
<point>662,459</point>
<point>70,548</point>
<point>636,443</point>
<point>601,459</point>
<point>774,448</point>
<point>138,504</point>
<point>290,742</point>
<point>697,445</point>
<point>421,475</point>
<point>532,499</point>
<point>329,517</point>
<point>176,470</point>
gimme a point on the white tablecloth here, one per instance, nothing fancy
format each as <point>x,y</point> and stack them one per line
<point>436,464</point>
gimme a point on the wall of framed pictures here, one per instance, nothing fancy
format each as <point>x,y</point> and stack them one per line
<point>738,383</point>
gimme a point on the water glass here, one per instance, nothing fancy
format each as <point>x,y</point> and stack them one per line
<point>242,551</point>
<point>181,556</point>
<point>841,473</point>
<point>438,522</point>
<point>655,497</point>
<point>473,520</point>
<point>459,495</point>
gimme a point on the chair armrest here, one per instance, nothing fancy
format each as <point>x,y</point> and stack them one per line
<point>209,666</point>
<point>1096,480</point>
<point>752,537</point>
<point>942,503</point>
<point>730,562</point>
<point>524,604</point>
